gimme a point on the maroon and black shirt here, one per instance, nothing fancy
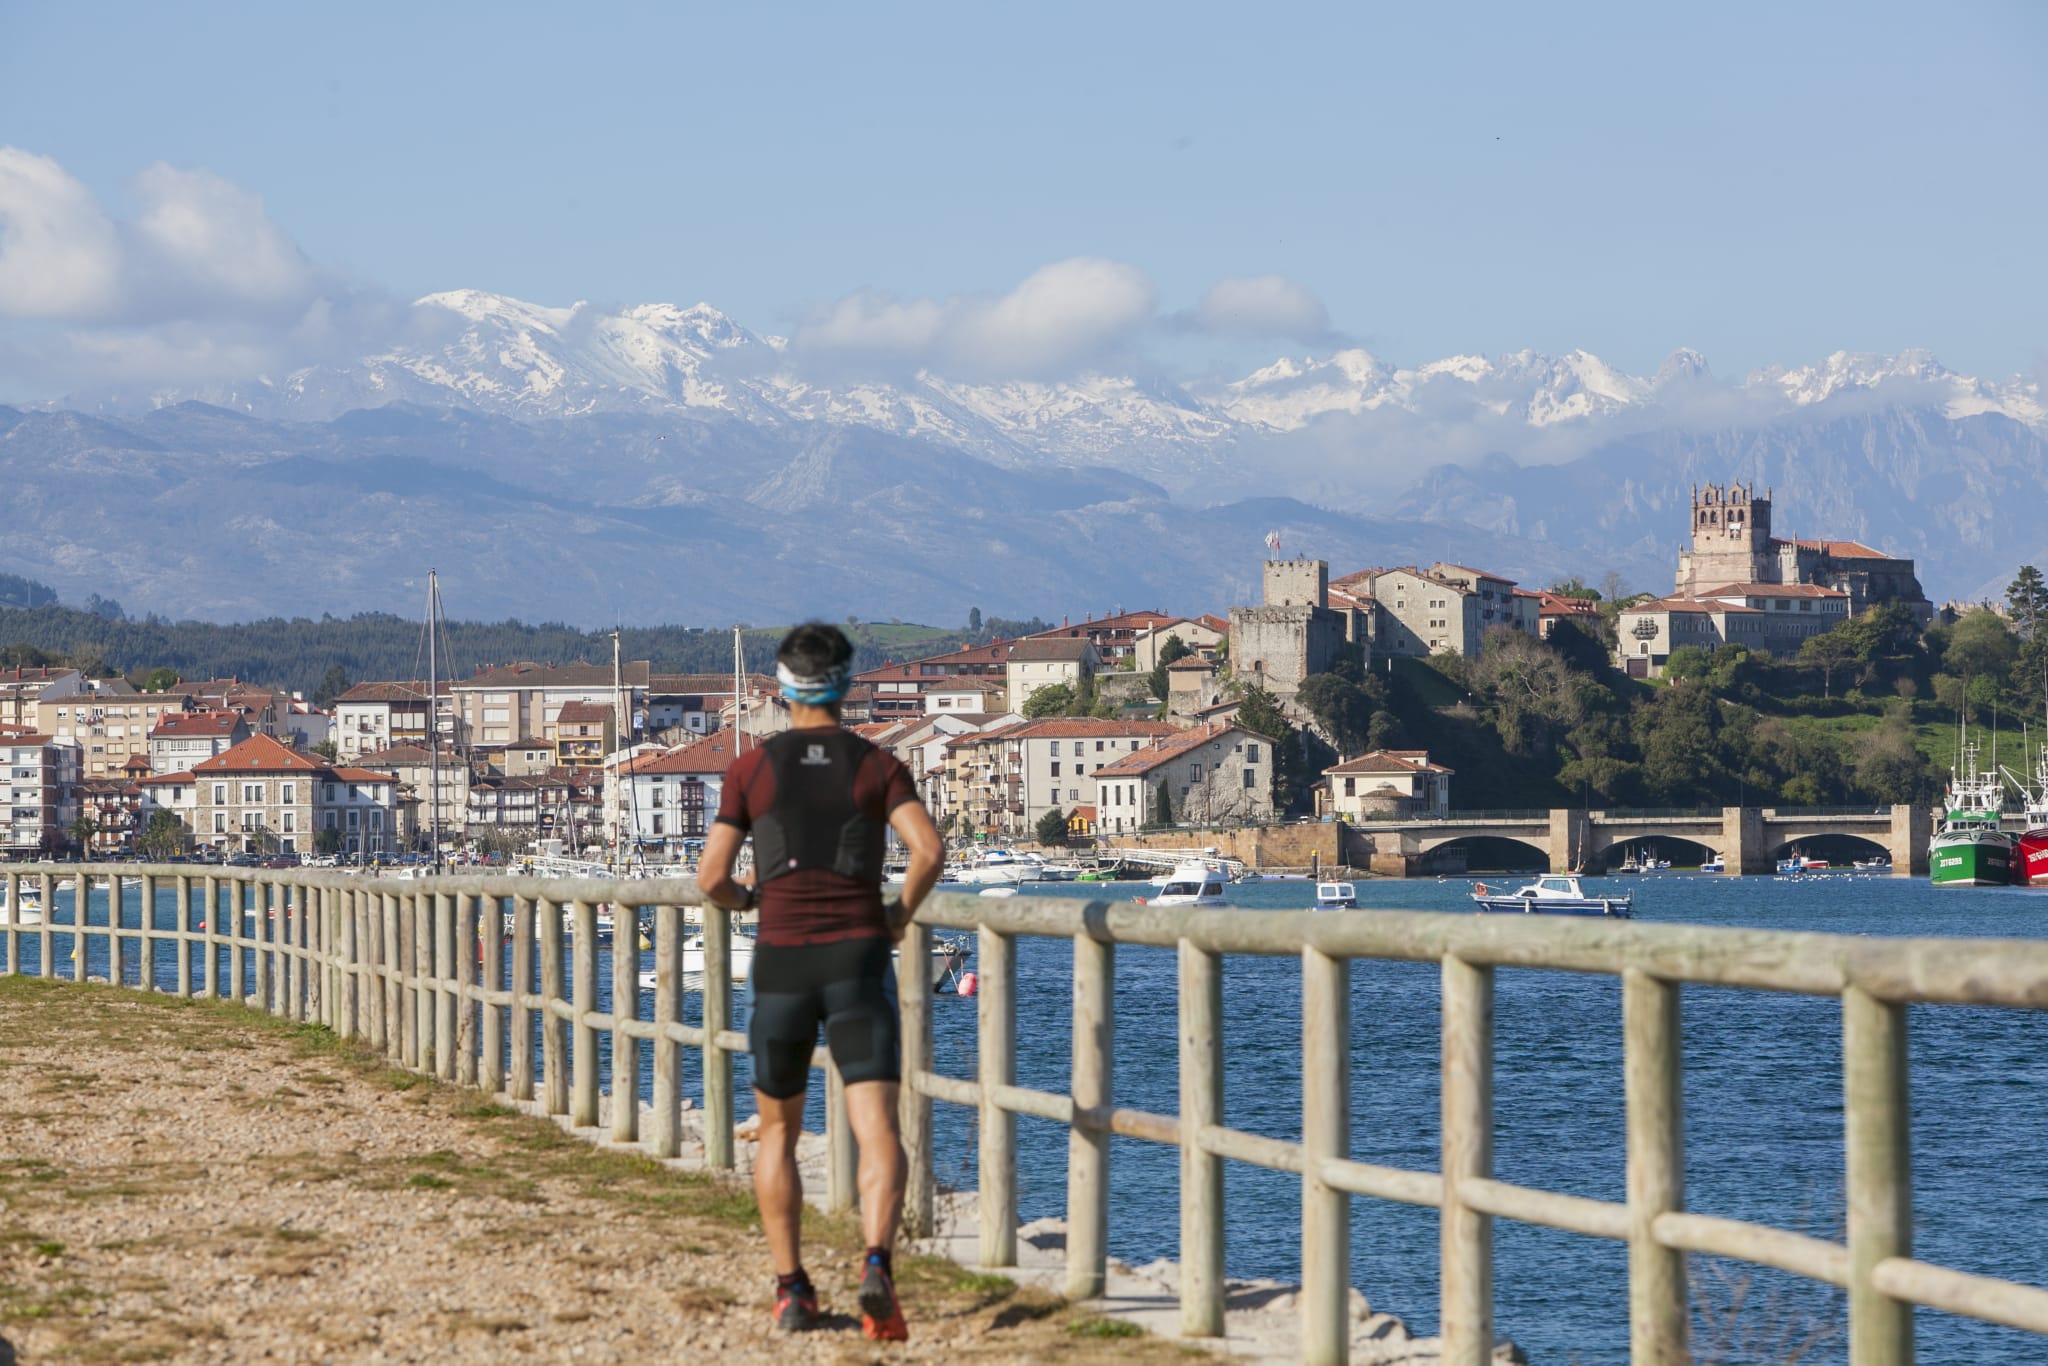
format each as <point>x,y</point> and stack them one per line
<point>817,905</point>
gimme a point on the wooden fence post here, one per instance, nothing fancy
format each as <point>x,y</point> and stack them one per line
<point>625,1006</point>
<point>392,970</point>
<point>46,888</point>
<point>424,995</point>
<point>666,1140</point>
<point>1092,1086</point>
<point>1201,1172</point>
<point>1879,1173</point>
<point>554,1041</point>
<point>996,1022</point>
<point>718,1153</point>
<point>1466,1234</point>
<point>147,981</point>
<point>492,977</point>
<point>914,1107</point>
<point>521,1043</point>
<point>238,934</point>
<point>1325,1135</point>
<point>841,1170</point>
<point>583,1035</point>
<point>1653,1078</point>
<point>183,945</point>
<point>449,979</point>
<point>262,934</point>
<point>81,918</point>
<point>14,922</point>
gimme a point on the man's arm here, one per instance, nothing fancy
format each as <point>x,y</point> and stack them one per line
<point>714,870</point>
<point>913,825</point>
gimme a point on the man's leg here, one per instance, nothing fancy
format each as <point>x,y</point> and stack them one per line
<point>871,1106</point>
<point>778,1185</point>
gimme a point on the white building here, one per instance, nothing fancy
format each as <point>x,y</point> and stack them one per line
<point>1388,783</point>
<point>39,777</point>
<point>1034,664</point>
<point>1216,773</point>
<point>185,739</point>
<point>1005,779</point>
<point>672,797</point>
<point>1769,618</point>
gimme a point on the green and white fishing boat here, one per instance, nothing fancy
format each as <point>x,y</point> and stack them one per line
<point>1968,848</point>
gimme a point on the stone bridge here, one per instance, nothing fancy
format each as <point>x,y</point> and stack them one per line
<point>1748,839</point>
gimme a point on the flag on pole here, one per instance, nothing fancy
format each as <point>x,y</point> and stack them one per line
<point>1273,541</point>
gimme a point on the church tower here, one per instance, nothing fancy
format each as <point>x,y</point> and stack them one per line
<point>1731,539</point>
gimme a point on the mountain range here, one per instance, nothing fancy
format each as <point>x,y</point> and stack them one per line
<point>664,463</point>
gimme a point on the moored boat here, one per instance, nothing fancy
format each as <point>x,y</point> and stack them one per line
<point>1969,849</point>
<point>1336,896</point>
<point>2030,849</point>
<point>1553,894</point>
<point>1190,884</point>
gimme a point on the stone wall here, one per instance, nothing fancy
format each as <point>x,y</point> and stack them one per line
<point>1261,846</point>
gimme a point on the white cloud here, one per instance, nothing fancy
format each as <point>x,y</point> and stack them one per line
<point>60,256</point>
<point>202,243</point>
<point>1263,306</point>
<point>1057,319</point>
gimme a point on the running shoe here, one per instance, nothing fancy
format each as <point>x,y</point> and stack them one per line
<point>881,1317</point>
<point>796,1307</point>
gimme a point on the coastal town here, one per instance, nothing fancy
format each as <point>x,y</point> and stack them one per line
<point>1106,727</point>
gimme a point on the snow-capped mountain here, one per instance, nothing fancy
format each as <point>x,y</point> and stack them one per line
<point>504,356</point>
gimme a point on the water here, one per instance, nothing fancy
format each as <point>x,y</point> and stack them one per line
<point>1762,1095</point>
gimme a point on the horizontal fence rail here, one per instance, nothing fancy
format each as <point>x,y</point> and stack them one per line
<point>416,968</point>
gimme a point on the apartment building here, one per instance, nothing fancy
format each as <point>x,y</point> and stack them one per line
<point>682,705</point>
<point>1215,773</point>
<point>1444,609</point>
<point>182,740</point>
<point>39,777</point>
<point>418,779</point>
<point>378,716</point>
<point>1005,779</point>
<point>524,701</point>
<point>1115,637</point>
<point>114,806</point>
<point>1036,663</point>
<point>21,689</point>
<point>671,798</point>
<point>584,732</point>
<point>263,797</point>
<point>898,690</point>
<point>109,719</point>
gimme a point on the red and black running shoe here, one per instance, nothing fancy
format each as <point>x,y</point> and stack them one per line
<point>881,1317</point>
<point>796,1306</point>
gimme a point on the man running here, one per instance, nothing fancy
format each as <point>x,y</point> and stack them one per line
<point>817,800</point>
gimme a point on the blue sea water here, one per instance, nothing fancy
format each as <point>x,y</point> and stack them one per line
<point>1762,1104</point>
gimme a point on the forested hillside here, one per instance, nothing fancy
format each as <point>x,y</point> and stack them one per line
<point>302,654</point>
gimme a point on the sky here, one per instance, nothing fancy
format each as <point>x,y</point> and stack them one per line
<point>1206,186</point>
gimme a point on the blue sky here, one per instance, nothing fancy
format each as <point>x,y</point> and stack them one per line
<point>1765,183</point>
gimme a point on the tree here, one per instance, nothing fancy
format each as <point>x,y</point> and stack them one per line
<point>333,684</point>
<point>327,750</point>
<point>1344,709</point>
<point>1054,699</point>
<point>1535,694</point>
<point>1052,827</point>
<point>974,621</point>
<point>1829,652</point>
<point>82,831</point>
<point>163,837</point>
<point>1575,587</point>
<point>328,842</point>
<point>2026,598</point>
<point>104,608</point>
<point>1259,712</point>
<point>1162,810</point>
<point>159,679</point>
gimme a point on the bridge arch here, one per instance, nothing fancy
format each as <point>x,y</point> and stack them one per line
<point>1491,853</point>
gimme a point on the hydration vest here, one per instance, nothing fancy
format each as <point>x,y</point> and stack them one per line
<point>813,822</point>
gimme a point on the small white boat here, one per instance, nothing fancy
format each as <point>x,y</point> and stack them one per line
<point>1714,865</point>
<point>1880,863</point>
<point>1190,884</point>
<point>29,912</point>
<point>1336,896</point>
<point>1058,872</point>
<point>998,891</point>
<point>1554,894</point>
<point>999,867</point>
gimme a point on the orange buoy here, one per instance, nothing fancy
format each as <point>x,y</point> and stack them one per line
<point>968,982</point>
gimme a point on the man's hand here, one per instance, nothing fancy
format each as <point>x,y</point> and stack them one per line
<point>899,917</point>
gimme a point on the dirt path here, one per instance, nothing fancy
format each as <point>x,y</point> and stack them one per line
<point>191,1181</point>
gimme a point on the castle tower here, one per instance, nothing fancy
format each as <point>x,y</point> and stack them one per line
<point>1731,539</point>
<point>1297,583</point>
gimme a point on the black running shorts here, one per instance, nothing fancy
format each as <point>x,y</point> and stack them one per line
<point>849,986</point>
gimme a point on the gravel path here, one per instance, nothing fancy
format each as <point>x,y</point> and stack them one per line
<point>191,1181</point>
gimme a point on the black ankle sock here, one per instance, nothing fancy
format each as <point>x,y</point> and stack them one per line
<point>881,1254</point>
<point>793,1280</point>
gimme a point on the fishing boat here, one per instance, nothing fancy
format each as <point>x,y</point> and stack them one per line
<point>1969,849</point>
<point>1554,894</point>
<point>2030,855</point>
<point>1336,896</point>
<point>1714,864</point>
<point>1190,884</point>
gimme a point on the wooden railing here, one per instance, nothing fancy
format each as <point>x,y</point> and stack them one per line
<point>388,961</point>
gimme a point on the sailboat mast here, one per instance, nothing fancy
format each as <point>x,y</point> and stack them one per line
<point>433,724</point>
<point>739,673</point>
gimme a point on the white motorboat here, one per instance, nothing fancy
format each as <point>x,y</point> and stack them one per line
<point>998,867</point>
<point>1190,884</point>
<point>998,891</point>
<point>1058,872</point>
<point>1554,894</point>
<point>28,912</point>
<point>1714,865</point>
<point>1336,896</point>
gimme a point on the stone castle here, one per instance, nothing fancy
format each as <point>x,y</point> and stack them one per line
<point>1732,544</point>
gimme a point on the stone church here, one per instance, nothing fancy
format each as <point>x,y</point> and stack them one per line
<point>1732,545</point>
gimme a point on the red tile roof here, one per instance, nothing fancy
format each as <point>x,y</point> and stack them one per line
<point>1772,590</point>
<point>583,713</point>
<point>258,754</point>
<point>1084,728</point>
<point>1145,760</point>
<point>1062,648</point>
<point>415,691</point>
<point>1389,761</point>
<point>203,724</point>
<point>1844,550</point>
<point>712,754</point>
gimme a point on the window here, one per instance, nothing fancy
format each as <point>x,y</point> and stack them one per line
<point>1098,746</point>
<point>1251,754</point>
<point>291,794</point>
<point>1073,794</point>
<point>1250,779</point>
<point>290,824</point>
<point>1194,773</point>
<point>1351,787</point>
<point>1055,770</point>
<point>1079,769</point>
<point>252,792</point>
<point>1055,751</point>
<point>220,822</point>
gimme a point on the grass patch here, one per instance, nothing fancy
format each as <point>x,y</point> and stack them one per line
<point>984,1284</point>
<point>428,1181</point>
<point>1095,1326</point>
